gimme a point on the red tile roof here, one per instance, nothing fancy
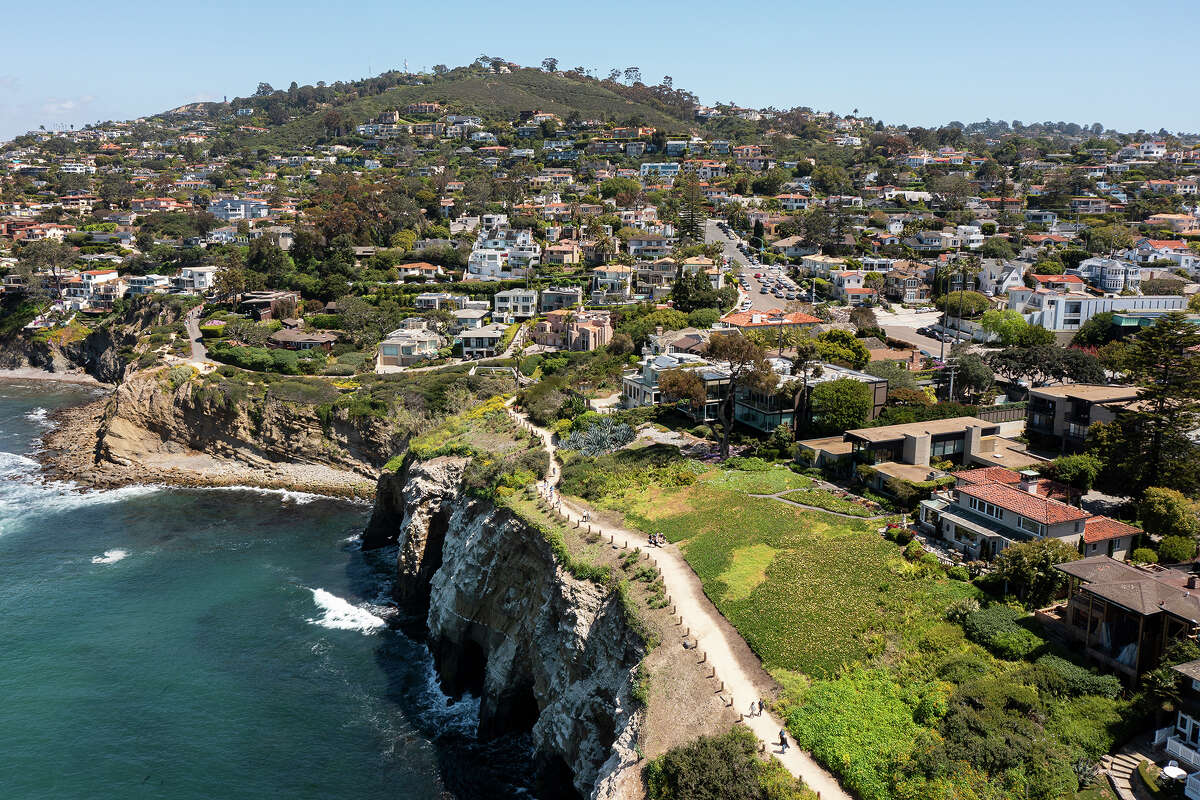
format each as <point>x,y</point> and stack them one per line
<point>1039,509</point>
<point>745,319</point>
<point>1100,529</point>
<point>988,475</point>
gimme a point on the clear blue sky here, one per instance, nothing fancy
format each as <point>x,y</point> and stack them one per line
<point>920,62</point>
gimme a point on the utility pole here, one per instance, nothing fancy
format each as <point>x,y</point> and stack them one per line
<point>952,365</point>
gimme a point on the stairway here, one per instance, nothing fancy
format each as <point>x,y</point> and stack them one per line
<point>1121,771</point>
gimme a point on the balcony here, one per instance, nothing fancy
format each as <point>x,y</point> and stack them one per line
<point>1190,757</point>
<point>1192,787</point>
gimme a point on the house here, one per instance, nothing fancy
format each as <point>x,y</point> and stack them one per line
<point>792,247</point>
<point>235,210</point>
<point>1059,310</point>
<point>821,265</point>
<point>426,301</point>
<point>905,282</point>
<point>1124,617</point>
<point>406,346</point>
<point>1060,415</point>
<point>293,339</point>
<point>569,329</point>
<point>640,387</point>
<point>148,284</point>
<point>556,297</point>
<point>1183,741</point>
<point>482,342</point>
<point>195,279</point>
<point>767,410</point>
<point>767,321</point>
<point>612,283</point>
<point>1110,275</point>
<point>268,305</point>
<point>420,269</point>
<point>648,245</point>
<point>992,508</point>
<point>469,318</point>
<point>1089,205</point>
<point>513,304</point>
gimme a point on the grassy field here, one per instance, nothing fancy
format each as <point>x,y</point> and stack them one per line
<point>878,685</point>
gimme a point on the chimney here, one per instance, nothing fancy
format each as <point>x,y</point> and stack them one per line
<point>1193,582</point>
<point>1029,481</point>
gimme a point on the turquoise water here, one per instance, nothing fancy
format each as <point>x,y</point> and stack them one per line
<point>161,643</point>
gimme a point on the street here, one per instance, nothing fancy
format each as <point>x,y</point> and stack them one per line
<point>758,300</point>
<point>903,325</point>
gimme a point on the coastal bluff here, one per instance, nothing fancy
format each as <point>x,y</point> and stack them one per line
<point>546,653</point>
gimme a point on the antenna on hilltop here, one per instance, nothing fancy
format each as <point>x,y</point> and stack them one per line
<point>406,66</point>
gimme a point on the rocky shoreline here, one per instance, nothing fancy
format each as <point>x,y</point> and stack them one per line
<point>69,453</point>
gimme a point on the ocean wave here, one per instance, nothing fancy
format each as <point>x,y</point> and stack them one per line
<point>447,716</point>
<point>286,495</point>
<point>342,615</point>
<point>40,416</point>
<point>110,557</point>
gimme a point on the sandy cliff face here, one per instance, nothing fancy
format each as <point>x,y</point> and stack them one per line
<point>147,422</point>
<point>545,652</point>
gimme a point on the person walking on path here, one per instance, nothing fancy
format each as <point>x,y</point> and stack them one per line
<point>752,706</point>
<point>783,742</point>
<point>760,707</point>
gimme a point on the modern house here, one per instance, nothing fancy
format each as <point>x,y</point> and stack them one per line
<point>766,411</point>
<point>612,283</point>
<point>427,301</point>
<point>1183,740</point>
<point>406,346</point>
<point>195,279</point>
<point>640,387</point>
<point>148,284</point>
<point>513,304</point>
<point>556,297</point>
<point>1067,310</point>
<point>1060,415</point>
<point>291,339</point>
<point>482,342</point>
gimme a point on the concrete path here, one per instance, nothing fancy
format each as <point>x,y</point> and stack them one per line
<point>738,671</point>
<point>191,323</point>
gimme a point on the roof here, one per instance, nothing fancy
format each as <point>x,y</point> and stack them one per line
<point>987,475</point>
<point>1091,392</point>
<point>933,427</point>
<point>289,335</point>
<point>1040,509</point>
<point>775,316</point>
<point>1101,529</point>
<point>1136,589</point>
<point>1189,668</point>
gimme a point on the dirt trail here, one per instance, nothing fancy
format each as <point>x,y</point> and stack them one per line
<point>706,629</point>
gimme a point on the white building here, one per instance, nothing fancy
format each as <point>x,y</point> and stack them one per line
<point>1110,275</point>
<point>195,279</point>
<point>1058,310</point>
<point>515,304</point>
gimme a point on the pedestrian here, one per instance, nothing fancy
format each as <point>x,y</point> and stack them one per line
<point>760,707</point>
<point>751,714</point>
<point>783,742</point>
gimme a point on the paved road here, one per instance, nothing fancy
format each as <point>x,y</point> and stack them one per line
<point>903,325</point>
<point>190,322</point>
<point>713,635</point>
<point>758,300</point>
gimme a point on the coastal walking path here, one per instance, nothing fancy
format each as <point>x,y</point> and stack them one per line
<point>735,666</point>
<point>190,322</point>
<point>783,498</point>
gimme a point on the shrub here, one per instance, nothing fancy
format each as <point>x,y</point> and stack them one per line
<point>997,628</point>
<point>604,436</point>
<point>1174,549</point>
<point>1144,555</point>
<point>962,608</point>
<point>178,376</point>
<point>1060,676</point>
<point>958,573</point>
<point>719,768</point>
<point>914,550</point>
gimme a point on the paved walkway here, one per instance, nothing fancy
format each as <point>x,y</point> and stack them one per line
<point>704,628</point>
<point>190,322</point>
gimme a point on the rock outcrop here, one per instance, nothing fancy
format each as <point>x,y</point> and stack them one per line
<point>545,652</point>
<point>145,420</point>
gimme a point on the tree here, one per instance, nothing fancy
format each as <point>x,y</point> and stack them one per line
<point>230,280</point>
<point>997,247</point>
<point>842,347</point>
<point>840,405</point>
<point>896,373</point>
<point>1167,512</point>
<point>550,64</point>
<point>725,767</point>
<point>1097,331</point>
<point>1176,549</point>
<point>633,75</point>
<point>1149,442</point>
<point>1078,471</point>
<point>1005,325</point>
<point>1028,568</point>
<point>973,374</point>
<point>1041,364</point>
<point>691,207</point>
<point>1163,286</point>
<point>747,368</point>
<point>964,304</point>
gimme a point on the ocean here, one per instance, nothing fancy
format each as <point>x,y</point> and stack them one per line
<point>212,643</point>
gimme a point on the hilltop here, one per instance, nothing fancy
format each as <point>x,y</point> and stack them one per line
<point>493,96</point>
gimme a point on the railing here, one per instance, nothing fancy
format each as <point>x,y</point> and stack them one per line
<point>1192,788</point>
<point>1181,751</point>
<point>1162,734</point>
<point>1005,413</point>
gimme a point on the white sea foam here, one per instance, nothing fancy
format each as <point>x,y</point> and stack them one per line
<point>110,557</point>
<point>21,492</point>
<point>286,495</point>
<point>459,716</point>
<point>40,416</point>
<point>342,615</point>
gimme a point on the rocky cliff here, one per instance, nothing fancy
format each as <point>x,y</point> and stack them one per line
<point>107,353</point>
<point>544,652</point>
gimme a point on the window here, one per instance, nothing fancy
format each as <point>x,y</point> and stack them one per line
<point>1027,524</point>
<point>986,508</point>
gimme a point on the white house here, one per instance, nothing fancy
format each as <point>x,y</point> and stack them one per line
<point>515,304</point>
<point>1059,310</point>
<point>195,279</point>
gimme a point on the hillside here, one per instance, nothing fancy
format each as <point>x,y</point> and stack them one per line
<point>495,96</point>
